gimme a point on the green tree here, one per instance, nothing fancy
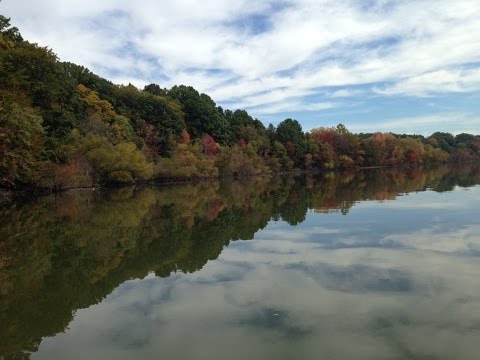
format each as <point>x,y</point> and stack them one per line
<point>121,163</point>
<point>21,143</point>
<point>289,133</point>
<point>444,141</point>
<point>155,89</point>
<point>201,114</point>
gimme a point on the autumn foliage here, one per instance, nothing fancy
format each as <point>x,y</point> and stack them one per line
<point>61,126</point>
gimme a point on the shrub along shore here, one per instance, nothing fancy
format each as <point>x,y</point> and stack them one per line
<point>63,127</point>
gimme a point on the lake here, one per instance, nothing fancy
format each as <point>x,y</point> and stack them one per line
<point>373,264</point>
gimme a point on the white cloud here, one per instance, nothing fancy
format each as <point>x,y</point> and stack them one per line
<point>422,124</point>
<point>441,81</point>
<point>292,106</point>
<point>345,93</point>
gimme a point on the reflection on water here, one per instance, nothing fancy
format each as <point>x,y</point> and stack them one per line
<point>146,273</point>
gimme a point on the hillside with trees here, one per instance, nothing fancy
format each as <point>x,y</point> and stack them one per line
<point>62,126</point>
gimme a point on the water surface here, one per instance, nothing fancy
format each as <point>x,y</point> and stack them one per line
<point>377,264</point>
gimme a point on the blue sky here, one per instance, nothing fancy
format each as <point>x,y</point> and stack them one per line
<point>410,66</point>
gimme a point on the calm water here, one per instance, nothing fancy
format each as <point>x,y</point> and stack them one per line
<point>367,265</point>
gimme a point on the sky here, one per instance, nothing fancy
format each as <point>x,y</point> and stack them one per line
<point>405,66</point>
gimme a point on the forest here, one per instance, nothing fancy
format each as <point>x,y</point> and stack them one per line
<point>62,126</point>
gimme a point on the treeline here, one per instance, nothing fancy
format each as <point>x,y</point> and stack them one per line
<point>61,126</point>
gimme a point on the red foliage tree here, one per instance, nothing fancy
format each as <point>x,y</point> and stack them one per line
<point>413,156</point>
<point>326,135</point>
<point>209,146</point>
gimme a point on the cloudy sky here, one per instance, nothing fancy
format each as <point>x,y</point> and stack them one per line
<point>392,65</point>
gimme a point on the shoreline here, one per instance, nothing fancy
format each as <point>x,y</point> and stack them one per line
<point>7,194</point>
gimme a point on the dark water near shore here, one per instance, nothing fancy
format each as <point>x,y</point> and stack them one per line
<point>377,264</point>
